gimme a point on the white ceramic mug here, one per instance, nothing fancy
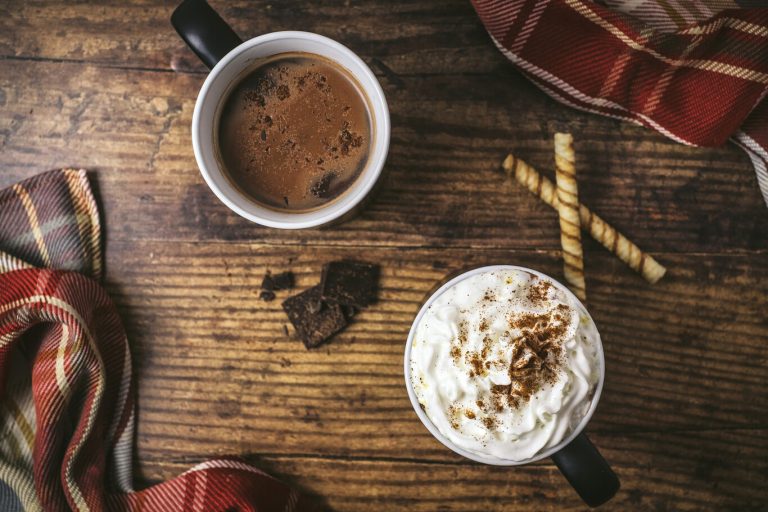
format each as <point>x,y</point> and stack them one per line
<point>220,48</point>
<point>575,455</point>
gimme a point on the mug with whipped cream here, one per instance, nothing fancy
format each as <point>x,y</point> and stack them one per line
<point>504,365</point>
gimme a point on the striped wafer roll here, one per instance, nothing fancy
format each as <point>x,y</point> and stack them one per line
<point>600,230</point>
<point>568,210</point>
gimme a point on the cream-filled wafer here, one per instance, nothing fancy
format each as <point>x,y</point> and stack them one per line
<point>600,230</point>
<point>568,210</point>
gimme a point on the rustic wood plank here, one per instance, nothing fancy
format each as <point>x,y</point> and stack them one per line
<point>670,471</point>
<point>219,374</point>
<point>443,184</point>
<point>397,37</point>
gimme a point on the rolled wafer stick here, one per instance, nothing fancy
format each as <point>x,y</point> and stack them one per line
<point>568,210</point>
<point>600,230</point>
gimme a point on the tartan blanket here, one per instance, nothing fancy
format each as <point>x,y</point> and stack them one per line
<point>67,397</point>
<point>693,70</point>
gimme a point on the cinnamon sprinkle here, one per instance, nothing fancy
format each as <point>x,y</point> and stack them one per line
<point>539,292</point>
<point>477,363</point>
<point>489,422</point>
<point>536,358</point>
<point>456,354</point>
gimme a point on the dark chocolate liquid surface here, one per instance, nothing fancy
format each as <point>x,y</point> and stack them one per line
<point>295,132</point>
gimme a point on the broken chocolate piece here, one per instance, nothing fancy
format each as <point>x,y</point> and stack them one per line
<point>350,283</point>
<point>271,283</point>
<point>314,324</point>
<point>268,283</point>
<point>282,281</point>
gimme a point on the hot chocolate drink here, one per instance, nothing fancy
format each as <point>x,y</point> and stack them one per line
<point>294,133</point>
<point>505,364</point>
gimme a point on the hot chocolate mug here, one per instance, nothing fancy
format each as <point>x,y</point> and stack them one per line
<point>229,57</point>
<point>575,456</point>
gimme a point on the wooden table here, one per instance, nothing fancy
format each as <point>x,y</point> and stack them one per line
<point>684,414</point>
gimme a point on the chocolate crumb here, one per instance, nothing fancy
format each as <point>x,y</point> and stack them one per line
<point>283,92</point>
<point>321,187</point>
<point>267,283</point>
<point>282,281</point>
<point>348,140</point>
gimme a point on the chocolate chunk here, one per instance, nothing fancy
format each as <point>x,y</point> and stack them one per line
<point>268,282</point>
<point>283,92</point>
<point>350,283</point>
<point>267,295</point>
<point>282,281</point>
<point>313,321</point>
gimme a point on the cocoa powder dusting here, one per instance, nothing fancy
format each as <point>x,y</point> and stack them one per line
<point>476,363</point>
<point>463,332</point>
<point>487,343</point>
<point>456,354</point>
<point>539,292</point>
<point>453,415</point>
<point>536,357</point>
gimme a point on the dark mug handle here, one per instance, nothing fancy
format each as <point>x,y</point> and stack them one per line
<point>204,31</point>
<point>587,471</point>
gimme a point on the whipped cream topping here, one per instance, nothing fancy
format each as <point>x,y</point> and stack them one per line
<point>505,364</point>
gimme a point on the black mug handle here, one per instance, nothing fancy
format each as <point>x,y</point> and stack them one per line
<point>204,31</point>
<point>587,471</point>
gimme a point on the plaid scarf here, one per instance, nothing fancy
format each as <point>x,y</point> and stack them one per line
<point>693,70</point>
<point>66,392</point>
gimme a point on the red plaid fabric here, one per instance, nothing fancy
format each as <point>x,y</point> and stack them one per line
<point>66,392</point>
<point>696,72</point>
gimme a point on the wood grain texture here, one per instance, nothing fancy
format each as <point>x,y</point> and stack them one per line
<point>665,371</point>
<point>443,179</point>
<point>110,87</point>
<point>681,471</point>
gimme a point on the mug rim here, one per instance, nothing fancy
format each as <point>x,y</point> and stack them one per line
<point>427,422</point>
<point>333,210</point>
